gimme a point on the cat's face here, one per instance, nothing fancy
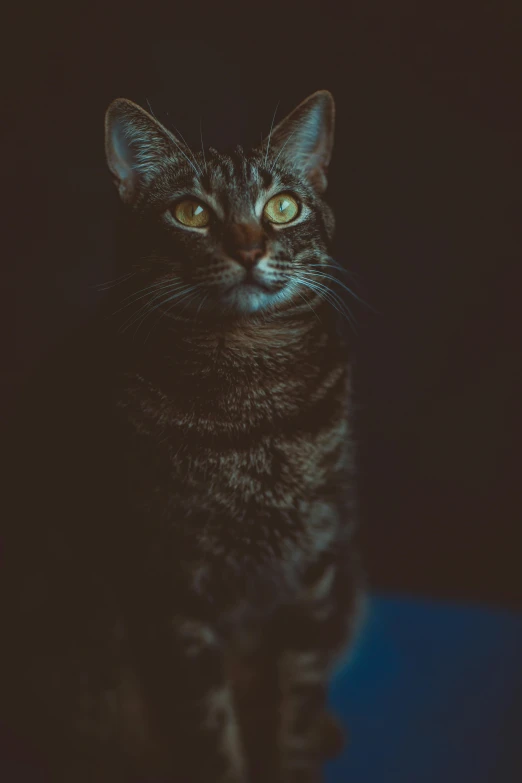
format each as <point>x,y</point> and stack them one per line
<point>238,233</point>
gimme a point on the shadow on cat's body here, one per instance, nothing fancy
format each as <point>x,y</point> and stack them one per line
<point>178,568</point>
<point>78,561</point>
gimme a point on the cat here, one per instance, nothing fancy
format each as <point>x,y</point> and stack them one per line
<point>179,567</point>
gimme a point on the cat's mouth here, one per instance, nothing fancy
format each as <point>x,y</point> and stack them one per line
<point>253,286</point>
<point>250,296</point>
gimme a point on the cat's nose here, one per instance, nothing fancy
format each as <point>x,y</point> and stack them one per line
<point>248,257</point>
<point>246,243</point>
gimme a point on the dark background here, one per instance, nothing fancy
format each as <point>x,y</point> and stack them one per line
<point>425,183</point>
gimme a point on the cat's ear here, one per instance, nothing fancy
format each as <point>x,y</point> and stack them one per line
<point>136,145</point>
<point>305,137</point>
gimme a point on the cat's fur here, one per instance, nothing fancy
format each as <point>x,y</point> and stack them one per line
<point>179,571</point>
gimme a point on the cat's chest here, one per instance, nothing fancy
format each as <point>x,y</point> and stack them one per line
<point>245,444</point>
<point>248,580</point>
<point>239,511</point>
<point>253,492</point>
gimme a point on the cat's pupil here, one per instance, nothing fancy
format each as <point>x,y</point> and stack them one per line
<point>196,210</point>
<point>283,205</point>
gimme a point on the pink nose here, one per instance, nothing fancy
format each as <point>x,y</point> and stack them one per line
<point>245,242</point>
<point>248,257</point>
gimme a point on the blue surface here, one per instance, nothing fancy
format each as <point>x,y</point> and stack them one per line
<point>432,694</point>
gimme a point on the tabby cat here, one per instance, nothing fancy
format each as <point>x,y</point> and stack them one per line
<point>179,573</point>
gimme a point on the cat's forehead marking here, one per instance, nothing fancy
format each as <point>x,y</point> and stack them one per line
<point>236,182</point>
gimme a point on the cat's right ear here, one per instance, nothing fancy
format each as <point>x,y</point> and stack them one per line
<point>136,146</point>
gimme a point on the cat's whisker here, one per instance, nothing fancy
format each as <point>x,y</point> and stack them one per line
<point>334,296</point>
<point>179,147</point>
<point>318,270</point>
<point>191,290</point>
<point>281,150</point>
<point>202,147</point>
<point>141,318</point>
<point>270,134</point>
<point>137,295</point>
<point>329,296</point>
<point>189,149</point>
<point>179,298</point>
<point>320,261</point>
<point>112,283</point>
<point>153,297</point>
<point>348,290</point>
<point>306,302</point>
<point>202,303</point>
<point>338,268</point>
<point>350,272</point>
<point>196,169</point>
<point>181,294</point>
<point>190,299</point>
<point>150,109</point>
<point>331,264</point>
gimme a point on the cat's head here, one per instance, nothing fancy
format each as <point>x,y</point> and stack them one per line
<point>235,233</point>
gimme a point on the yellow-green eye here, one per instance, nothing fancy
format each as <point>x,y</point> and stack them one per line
<point>192,213</point>
<point>281,208</point>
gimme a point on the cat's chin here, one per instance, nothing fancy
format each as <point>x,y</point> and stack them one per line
<point>248,298</point>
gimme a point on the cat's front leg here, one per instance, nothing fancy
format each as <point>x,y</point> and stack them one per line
<point>313,634</point>
<point>191,703</point>
<point>303,692</point>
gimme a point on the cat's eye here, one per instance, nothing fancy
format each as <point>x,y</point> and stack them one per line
<point>190,212</point>
<point>281,208</point>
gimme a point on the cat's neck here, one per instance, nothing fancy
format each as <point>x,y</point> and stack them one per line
<point>232,380</point>
<point>194,352</point>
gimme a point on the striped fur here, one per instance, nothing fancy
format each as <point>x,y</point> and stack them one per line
<point>220,543</point>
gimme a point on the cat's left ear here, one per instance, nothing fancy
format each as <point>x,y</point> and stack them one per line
<point>305,138</point>
<point>136,146</point>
